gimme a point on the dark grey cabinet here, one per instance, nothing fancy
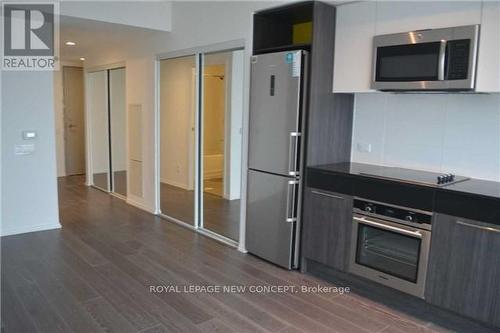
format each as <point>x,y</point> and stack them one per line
<point>464,268</point>
<point>326,223</point>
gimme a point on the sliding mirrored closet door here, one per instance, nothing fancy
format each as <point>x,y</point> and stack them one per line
<point>118,130</point>
<point>107,121</point>
<point>222,115</point>
<point>200,141</point>
<point>99,129</point>
<point>177,138</point>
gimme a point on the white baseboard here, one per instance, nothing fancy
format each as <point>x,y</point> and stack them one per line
<point>30,228</point>
<point>227,197</point>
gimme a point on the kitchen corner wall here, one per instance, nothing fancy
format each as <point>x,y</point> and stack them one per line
<point>457,133</point>
<point>29,185</point>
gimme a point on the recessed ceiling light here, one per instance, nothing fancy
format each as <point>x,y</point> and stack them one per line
<point>82,59</point>
<point>70,43</point>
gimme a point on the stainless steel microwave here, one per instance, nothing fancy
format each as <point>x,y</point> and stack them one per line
<point>433,60</point>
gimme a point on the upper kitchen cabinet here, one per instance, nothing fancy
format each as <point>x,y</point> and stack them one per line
<point>283,28</point>
<point>355,29</point>
<point>358,23</point>
<point>488,64</point>
<point>401,16</point>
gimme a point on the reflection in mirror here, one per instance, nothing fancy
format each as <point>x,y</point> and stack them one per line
<point>177,137</point>
<point>222,130</point>
<point>99,135</point>
<point>118,130</point>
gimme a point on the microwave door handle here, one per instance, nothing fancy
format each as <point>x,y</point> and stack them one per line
<point>384,226</point>
<point>442,60</point>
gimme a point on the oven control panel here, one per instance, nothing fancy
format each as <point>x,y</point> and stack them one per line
<point>393,212</point>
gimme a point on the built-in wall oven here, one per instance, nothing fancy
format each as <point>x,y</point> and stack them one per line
<point>390,245</point>
<point>432,59</point>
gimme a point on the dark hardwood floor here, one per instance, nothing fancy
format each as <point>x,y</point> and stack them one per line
<point>119,181</point>
<point>94,275</point>
<point>100,180</point>
<point>220,216</point>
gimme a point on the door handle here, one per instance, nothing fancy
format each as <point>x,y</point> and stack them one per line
<point>293,153</point>
<point>290,201</point>
<point>480,227</point>
<point>384,226</point>
<point>71,126</point>
<point>442,60</point>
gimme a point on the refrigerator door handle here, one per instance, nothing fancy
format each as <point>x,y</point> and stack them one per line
<point>290,201</point>
<point>292,154</point>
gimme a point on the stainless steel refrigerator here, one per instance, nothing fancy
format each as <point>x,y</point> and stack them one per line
<point>277,105</point>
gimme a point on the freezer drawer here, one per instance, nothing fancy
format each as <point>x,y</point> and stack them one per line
<point>271,217</point>
<point>275,112</point>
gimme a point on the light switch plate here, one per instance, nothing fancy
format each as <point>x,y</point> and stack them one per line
<point>29,135</point>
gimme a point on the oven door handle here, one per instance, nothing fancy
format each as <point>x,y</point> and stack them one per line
<point>384,226</point>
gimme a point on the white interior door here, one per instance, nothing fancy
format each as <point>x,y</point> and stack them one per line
<point>74,120</point>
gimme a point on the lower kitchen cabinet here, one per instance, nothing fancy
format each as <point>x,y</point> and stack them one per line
<point>464,268</point>
<point>327,221</point>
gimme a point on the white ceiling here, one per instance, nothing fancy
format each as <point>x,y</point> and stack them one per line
<point>144,14</point>
<point>108,40</point>
<point>96,37</point>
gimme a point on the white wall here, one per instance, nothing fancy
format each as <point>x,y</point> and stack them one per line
<point>59,122</point>
<point>29,187</point>
<point>141,93</point>
<point>153,14</point>
<point>458,133</point>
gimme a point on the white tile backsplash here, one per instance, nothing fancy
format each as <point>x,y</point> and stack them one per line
<point>457,133</point>
<point>367,123</point>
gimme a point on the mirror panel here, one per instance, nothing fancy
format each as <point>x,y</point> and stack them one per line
<point>118,131</point>
<point>222,141</point>
<point>177,138</point>
<point>98,109</point>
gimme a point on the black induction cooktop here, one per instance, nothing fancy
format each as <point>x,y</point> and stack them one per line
<point>414,176</point>
<point>461,196</point>
<point>411,176</point>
